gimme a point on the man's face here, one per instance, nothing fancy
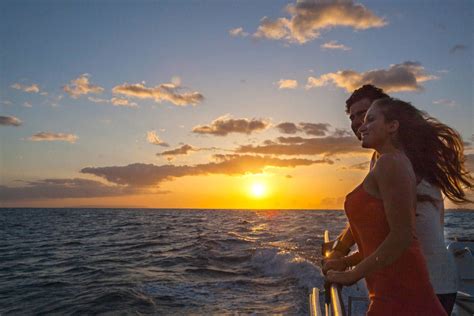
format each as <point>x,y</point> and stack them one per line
<point>357,113</point>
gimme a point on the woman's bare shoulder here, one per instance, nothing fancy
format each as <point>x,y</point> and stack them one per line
<point>393,165</point>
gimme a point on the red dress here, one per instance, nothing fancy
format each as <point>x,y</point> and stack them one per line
<point>403,287</point>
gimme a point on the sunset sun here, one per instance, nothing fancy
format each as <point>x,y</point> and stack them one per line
<point>258,190</point>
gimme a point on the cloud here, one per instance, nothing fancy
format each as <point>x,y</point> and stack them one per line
<point>10,121</point>
<point>47,136</point>
<point>314,129</point>
<point>335,45</point>
<point>445,102</point>
<point>153,138</point>
<point>33,88</point>
<point>363,166</point>
<point>238,31</point>
<point>287,128</point>
<point>340,132</point>
<point>400,77</point>
<point>114,101</point>
<point>164,92</point>
<point>458,48</point>
<point>62,188</point>
<point>295,145</point>
<point>123,102</point>
<point>308,18</point>
<point>27,105</point>
<point>469,162</point>
<point>81,86</point>
<point>333,202</point>
<point>225,125</point>
<point>139,174</point>
<point>183,150</point>
<point>287,84</point>
<point>98,100</point>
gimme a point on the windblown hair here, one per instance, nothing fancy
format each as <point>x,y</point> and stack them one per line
<point>435,150</point>
<point>367,91</point>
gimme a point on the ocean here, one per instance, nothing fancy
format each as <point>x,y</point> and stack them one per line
<point>168,262</point>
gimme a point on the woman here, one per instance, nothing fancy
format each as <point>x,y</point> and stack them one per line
<point>381,210</point>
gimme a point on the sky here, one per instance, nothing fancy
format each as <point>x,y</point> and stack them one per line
<point>214,104</point>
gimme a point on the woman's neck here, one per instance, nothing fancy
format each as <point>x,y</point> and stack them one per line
<point>388,148</point>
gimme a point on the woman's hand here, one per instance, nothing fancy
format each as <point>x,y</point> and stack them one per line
<point>343,277</point>
<point>333,264</point>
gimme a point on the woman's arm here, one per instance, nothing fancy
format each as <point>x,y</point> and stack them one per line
<point>396,183</point>
<point>341,264</point>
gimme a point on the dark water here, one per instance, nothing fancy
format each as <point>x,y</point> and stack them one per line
<point>166,262</point>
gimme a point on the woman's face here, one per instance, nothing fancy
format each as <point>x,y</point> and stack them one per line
<point>375,131</point>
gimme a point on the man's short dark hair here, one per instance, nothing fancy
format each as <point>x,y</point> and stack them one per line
<point>367,91</point>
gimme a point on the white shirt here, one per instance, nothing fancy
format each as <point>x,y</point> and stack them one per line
<point>430,233</point>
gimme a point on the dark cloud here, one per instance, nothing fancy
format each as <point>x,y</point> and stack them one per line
<point>183,150</point>
<point>305,146</point>
<point>139,174</point>
<point>225,125</point>
<point>339,132</point>
<point>48,136</point>
<point>458,48</point>
<point>10,121</point>
<point>287,128</point>
<point>363,166</point>
<point>62,188</point>
<point>314,129</point>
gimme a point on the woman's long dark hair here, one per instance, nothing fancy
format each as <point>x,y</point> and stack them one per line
<point>435,150</point>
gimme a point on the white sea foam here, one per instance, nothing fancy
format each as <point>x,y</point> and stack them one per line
<point>276,262</point>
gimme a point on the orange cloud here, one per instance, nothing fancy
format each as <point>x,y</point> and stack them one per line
<point>33,88</point>
<point>81,86</point>
<point>123,102</point>
<point>10,121</point>
<point>140,175</point>
<point>225,125</point>
<point>287,84</point>
<point>400,77</point>
<point>309,18</point>
<point>163,92</point>
<point>238,31</point>
<point>153,138</point>
<point>292,146</point>
<point>335,45</point>
<point>47,136</point>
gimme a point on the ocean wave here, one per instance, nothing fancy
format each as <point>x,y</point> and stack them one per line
<point>276,262</point>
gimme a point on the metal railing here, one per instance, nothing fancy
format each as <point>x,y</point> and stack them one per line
<point>333,304</point>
